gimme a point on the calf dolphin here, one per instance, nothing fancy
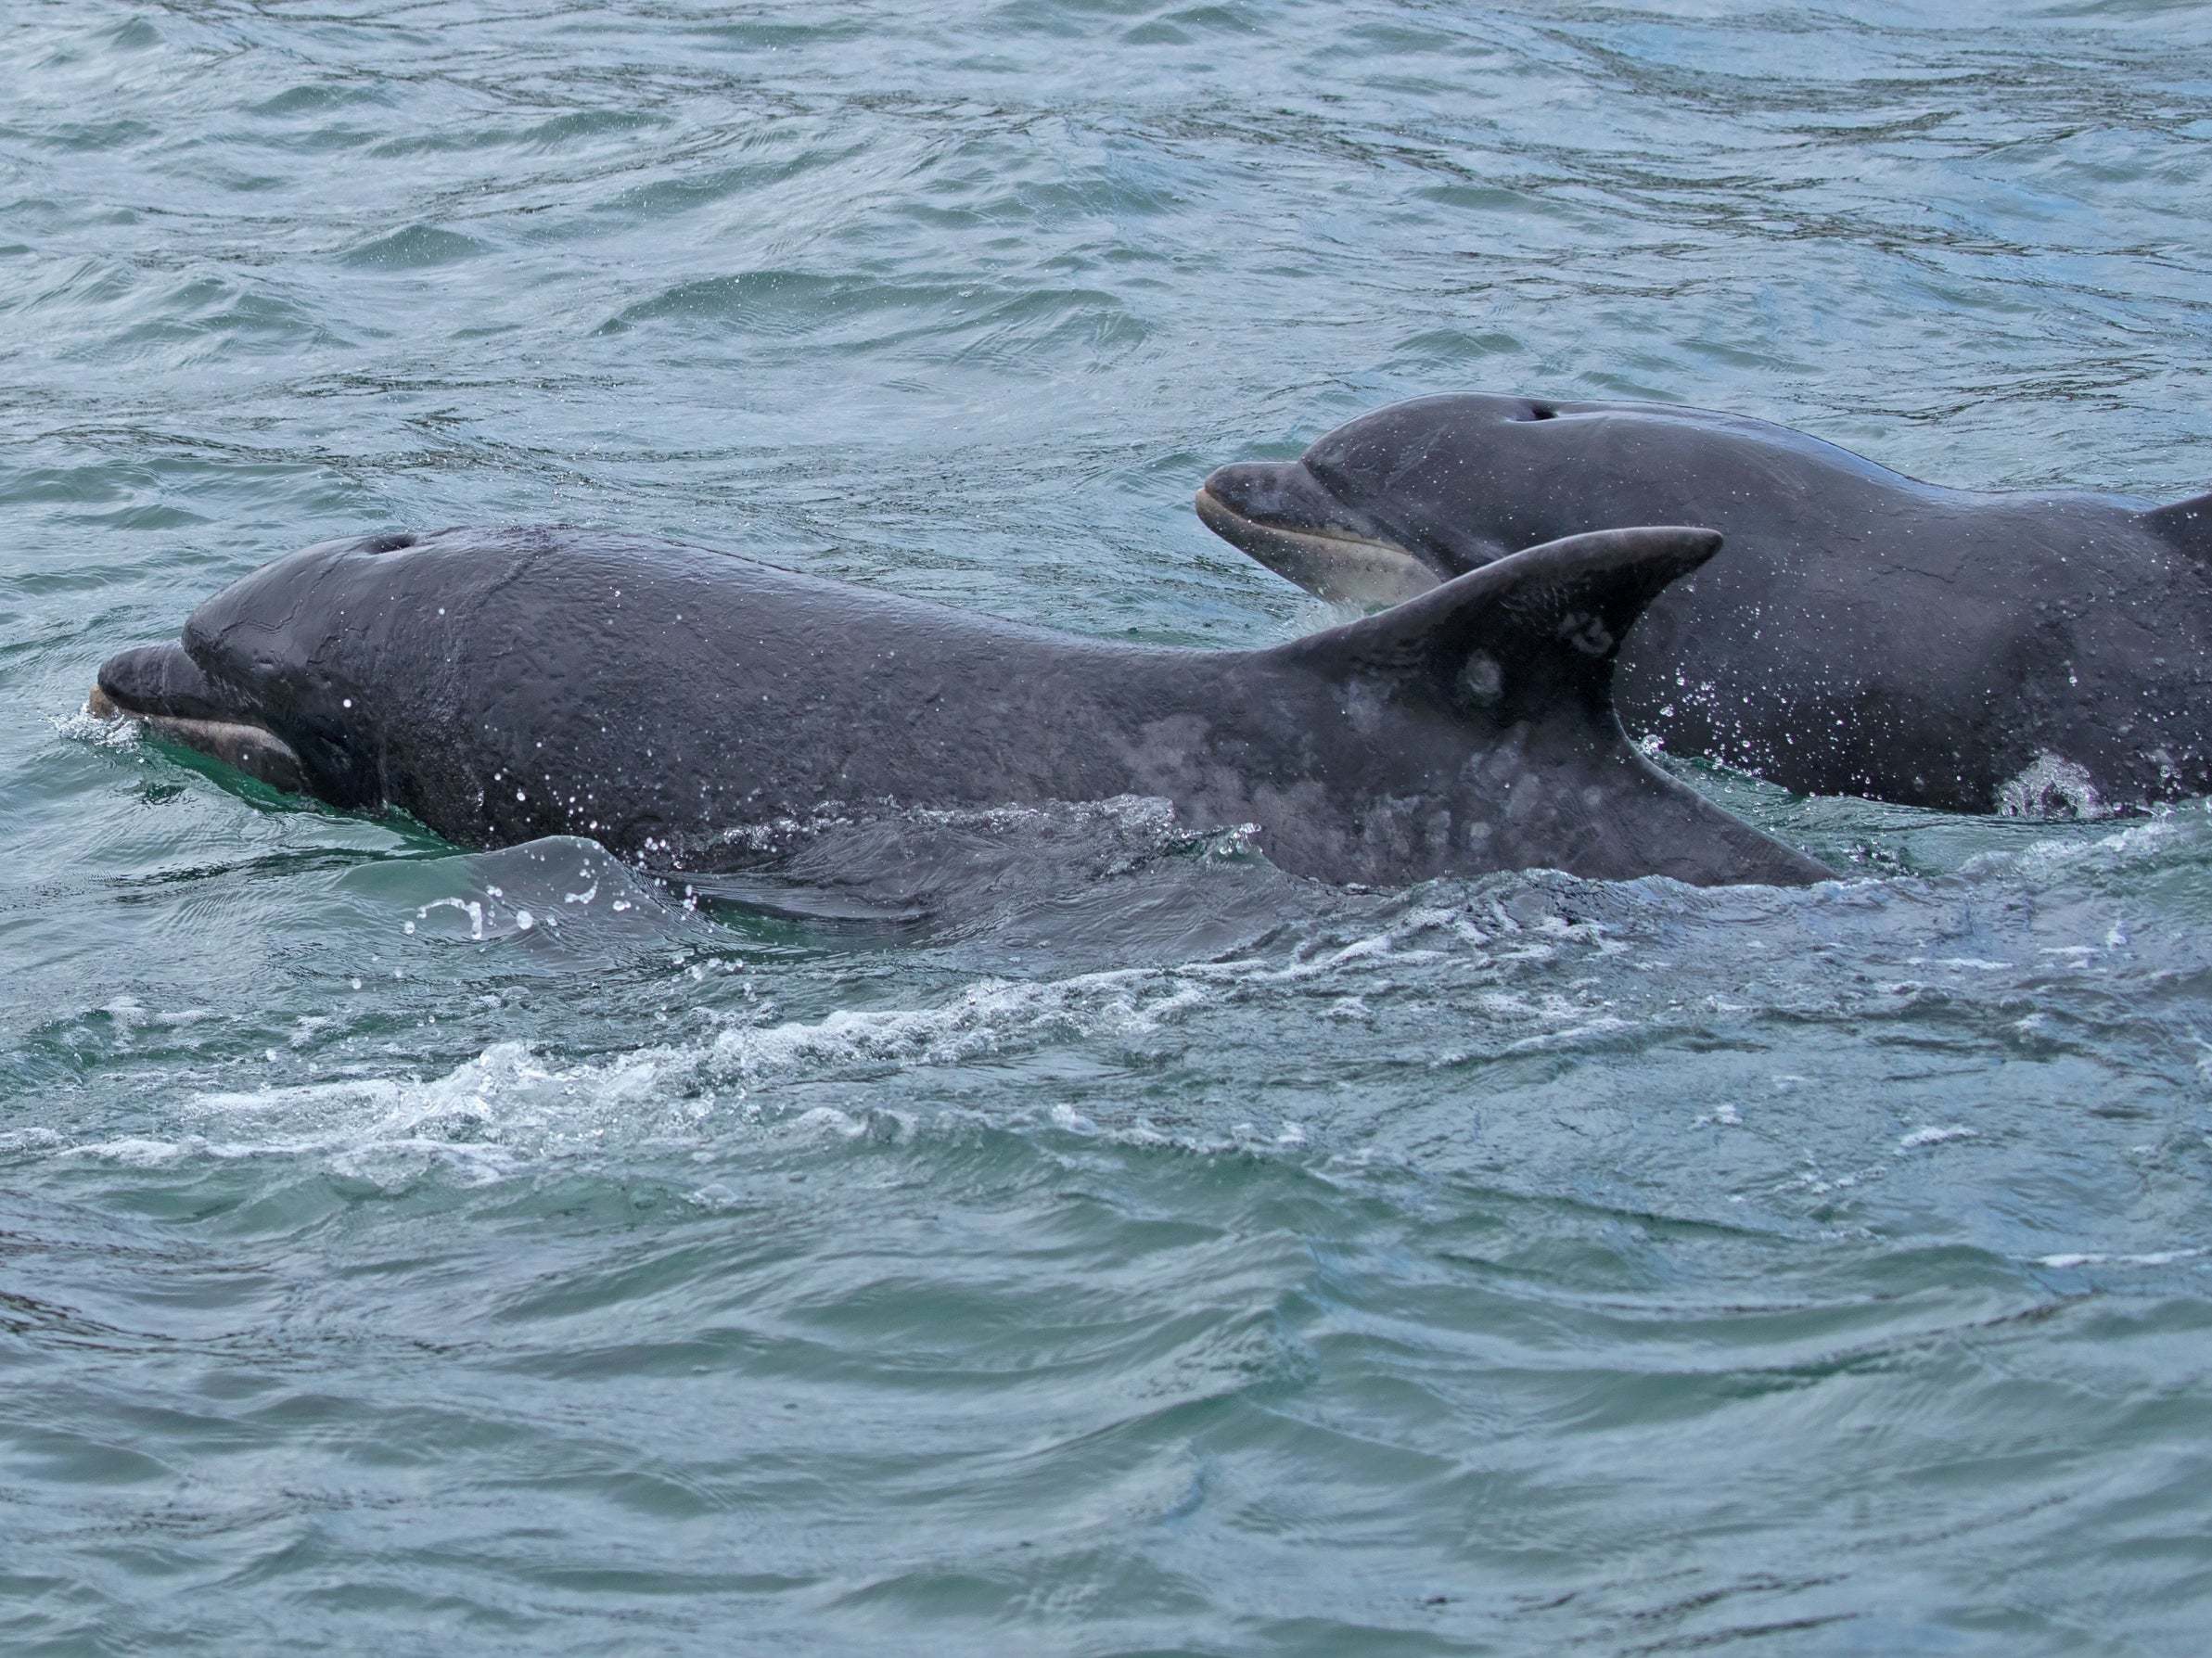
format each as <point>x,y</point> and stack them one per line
<point>502,684</point>
<point>1867,634</point>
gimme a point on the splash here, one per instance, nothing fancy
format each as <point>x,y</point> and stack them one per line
<point>2052,786</point>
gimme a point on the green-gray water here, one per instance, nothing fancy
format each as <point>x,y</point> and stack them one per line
<point>1143,1251</point>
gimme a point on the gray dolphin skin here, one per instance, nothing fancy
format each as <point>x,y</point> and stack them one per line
<point>1867,633</point>
<point>502,684</point>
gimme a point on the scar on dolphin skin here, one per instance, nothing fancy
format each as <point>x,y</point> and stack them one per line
<point>1866,634</point>
<point>656,696</point>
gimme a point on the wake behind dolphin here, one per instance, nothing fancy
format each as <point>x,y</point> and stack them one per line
<point>1867,634</point>
<point>503,684</point>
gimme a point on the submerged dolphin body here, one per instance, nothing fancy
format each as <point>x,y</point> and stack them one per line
<point>502,684</point>
<point>1867,634</point>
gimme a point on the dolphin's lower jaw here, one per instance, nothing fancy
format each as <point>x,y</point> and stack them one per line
<point>161,687</point>
<point>1334,565</point>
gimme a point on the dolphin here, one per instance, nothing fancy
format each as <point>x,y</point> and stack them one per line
<point>502,684</point>
<point>1867,634</point>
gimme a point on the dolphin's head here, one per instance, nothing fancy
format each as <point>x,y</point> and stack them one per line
<point>272,674</point>
<point>1391,503</point>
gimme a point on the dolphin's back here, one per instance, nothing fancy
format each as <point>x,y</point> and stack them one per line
<point>505,684</point>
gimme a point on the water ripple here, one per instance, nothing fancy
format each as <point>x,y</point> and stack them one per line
<point>1075,1235</point>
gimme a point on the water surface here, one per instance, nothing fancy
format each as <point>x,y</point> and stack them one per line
<point>1133,1249</point>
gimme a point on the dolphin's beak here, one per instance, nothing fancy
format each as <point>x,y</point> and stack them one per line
<point>162,685</point>
<point>160,682</point>
<point>1279,514</point>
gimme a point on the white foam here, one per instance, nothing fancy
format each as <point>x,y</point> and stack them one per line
<point>2045,858</point>
<point>984,1015</point>
<point>136,1152</point>
<point>1606,1025</point>
<point>510,1103</point>
<point>2157,1258</point>
<point>1935,1136</point>
<point>83,726</point>
<point>514,1107</point>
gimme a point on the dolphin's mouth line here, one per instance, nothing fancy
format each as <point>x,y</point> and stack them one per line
<point>1335,565</point>
<point>197,733</point>
<point>253,749</point>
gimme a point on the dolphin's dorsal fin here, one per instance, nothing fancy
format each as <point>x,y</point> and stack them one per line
<point>2187,523</point>
<point>1518,636</point>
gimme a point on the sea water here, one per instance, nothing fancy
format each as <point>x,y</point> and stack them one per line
<point>1061,1231</point>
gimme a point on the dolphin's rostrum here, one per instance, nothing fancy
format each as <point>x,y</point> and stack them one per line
<point>502,684</point>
